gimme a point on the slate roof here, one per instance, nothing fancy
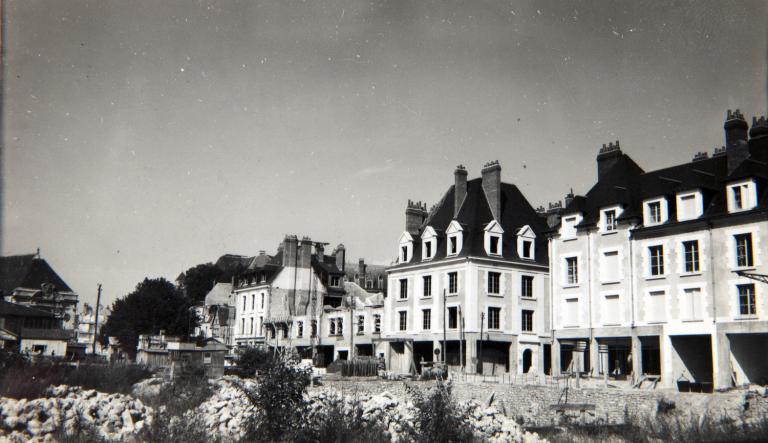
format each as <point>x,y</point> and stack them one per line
<point>219,294</point>
<point>28,271</point>
<point>626,184</point>
<point>45,334</point>
<point>8,309</point>
<point>474,215</point>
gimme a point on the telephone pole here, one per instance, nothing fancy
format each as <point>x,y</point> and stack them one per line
<point>445,332</point>
<point>96,323</point>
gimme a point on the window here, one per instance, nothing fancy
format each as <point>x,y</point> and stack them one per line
<point>426,319</point>
<point>285,331</point>
<point>572,269</point>
<point>657,306</point>
<point>494,244</point>
<point>314,328</point>
<point>332,327</point>
<point>527,321</point>
<point>403,288</point>
<point>369,284</point>
<point>688,206</point>
<point>250,328</point>
<point>744,250</point>
<point>738,197</point>
<point>272,331</point>
<point>610,220</point>
<point>609,269</point>
<point>453,247</point>
<point>654,212</point>
<point>453,317</point>
<point>741,196</point>
<point>360,324</point>
<point>691,255</point>
<point>428,249</point>
<point>377,323</point>
<point>340,326</point>
<point>453,282</point>
<point>253,302</point>
<point>335,280</point>
<point>656,254</point>
<point>527,247</point>
<point>568,228</point>
<point>747,305</point>
<point>242,326</point>
<point>691,304</point>
<point>403,320</point>
<point>261,325</point>
<point>429,243</point>
<point>571,312</point>
<point>427,279</point>
<point>493,282</point>
<point>494,318</point>
<point>612,314</point>
<point>244,302</point>
<point>526,286</point>
<point>300,329</point>
<point>404,253</point>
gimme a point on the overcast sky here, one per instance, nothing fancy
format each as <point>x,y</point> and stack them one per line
<point>144,137</point>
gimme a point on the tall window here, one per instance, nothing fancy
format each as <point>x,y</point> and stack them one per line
<point>426,316</point>
<point>691,255</point>
<point>610,220</point>
<point>377,323</point>
<point>244,298</point>
<point>314,328</point>
<point>242,326</point>
<point>453,317</point>
<point>747,305</point>
<point>360,324</point>
<point>526,320</point>
<point>428,249</point>
<point>656,254</point>
<point>427,279</point>
<point>526,286</point>
<point>285,331</point>
<point>404,253</point>
<point>572,267</point>
<point>332,327</point>
<point>654,212</point>
<point>250,329</point>
<point>453,245</point>
<point>340,326</point>
<point>692,304</point>
<point>335,280</point>
<point>404,288</point>
<point>453,282</point>
<point>493,282</point>
<point>527,248</point>
<point>253,302</point>
<point>494,244</point>
<point>494,318</point>
<point>744,250</point>
<point>738,197</point>
<point>403,320</point>
<point>262,301</point>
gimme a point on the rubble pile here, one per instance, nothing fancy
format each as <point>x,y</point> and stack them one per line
<point>66,409</point>
<point>228,409</point>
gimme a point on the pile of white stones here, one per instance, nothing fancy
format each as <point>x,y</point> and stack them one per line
<point>116,417</point>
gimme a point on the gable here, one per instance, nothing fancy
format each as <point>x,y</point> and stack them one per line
<point>526,232</point>
<point>494,228</point>
<point>454,227</point>
<point>429,232</point>
<point>405,238</point>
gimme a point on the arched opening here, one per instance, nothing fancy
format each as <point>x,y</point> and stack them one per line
<point>527,360</point>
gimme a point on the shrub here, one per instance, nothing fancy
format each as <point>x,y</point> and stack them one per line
<point>253,360</point>
<point>340,423</point>
<point>438,418</point>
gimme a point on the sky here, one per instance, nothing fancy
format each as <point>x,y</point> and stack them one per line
<point>142,137</point>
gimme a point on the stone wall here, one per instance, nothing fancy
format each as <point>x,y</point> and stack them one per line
<point>533,404</point>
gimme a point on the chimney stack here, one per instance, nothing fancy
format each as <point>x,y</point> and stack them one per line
<point>290,246</point>
<point>415,214</point>
<point>460,189</point>
<point>305,253</point>
<point>609,155</point>
<point>320,251</point>
<point>361,268</point>
<point>491,176</point>
<point>569,198</point>
<point>736,147</point>
<point>340,254</point>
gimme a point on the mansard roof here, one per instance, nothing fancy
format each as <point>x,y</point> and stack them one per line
<point>474,215</point>
<point>30,272</point>
<point>626,184</point>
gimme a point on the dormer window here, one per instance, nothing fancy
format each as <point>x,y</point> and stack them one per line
<point>455,235</point>
<point>568,226</point>
<point>525,243</point>
<point>742,196</point>
<point>335,280</point>
<point>689,206</point>
<point>609,219</point>
<point>493,236</point>
<point>429,243</point>
<point>406,248</point>
<point>655,212</point>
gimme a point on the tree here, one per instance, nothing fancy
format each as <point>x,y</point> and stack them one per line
<point>198,280</point>
<point>155,304</point>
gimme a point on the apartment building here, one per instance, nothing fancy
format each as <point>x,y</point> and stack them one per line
<point>471,282</point>
<point>657,273</point>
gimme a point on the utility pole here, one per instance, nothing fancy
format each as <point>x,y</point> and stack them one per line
<point>461,339</point>
<point>445,331</point>
<point>96,324</point>
<point>351,326</point>
<point>480,352</point>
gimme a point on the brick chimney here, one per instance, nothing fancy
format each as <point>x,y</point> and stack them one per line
<point>320,251</point>
<point>340,254</point>
<point>736,147</point>
<point>758,138</point>
<point>415,214</point>
<point>290,246</point>
<point>460,188</point>
<point>491,174</point>
<point>607,157</point>
<point>305,253</point>
<point>361,267</point>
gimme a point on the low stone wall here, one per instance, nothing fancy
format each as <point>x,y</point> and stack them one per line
<point>532,404</point>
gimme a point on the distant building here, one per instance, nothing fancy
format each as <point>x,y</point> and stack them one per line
<point>86,328</point>
<point>663,273</point>
<point>473,269</point>
<point>32,331</point>
<point>372,278</point>
<point>161,351</point>
<point>217,315</point>
<point>30,281</point>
